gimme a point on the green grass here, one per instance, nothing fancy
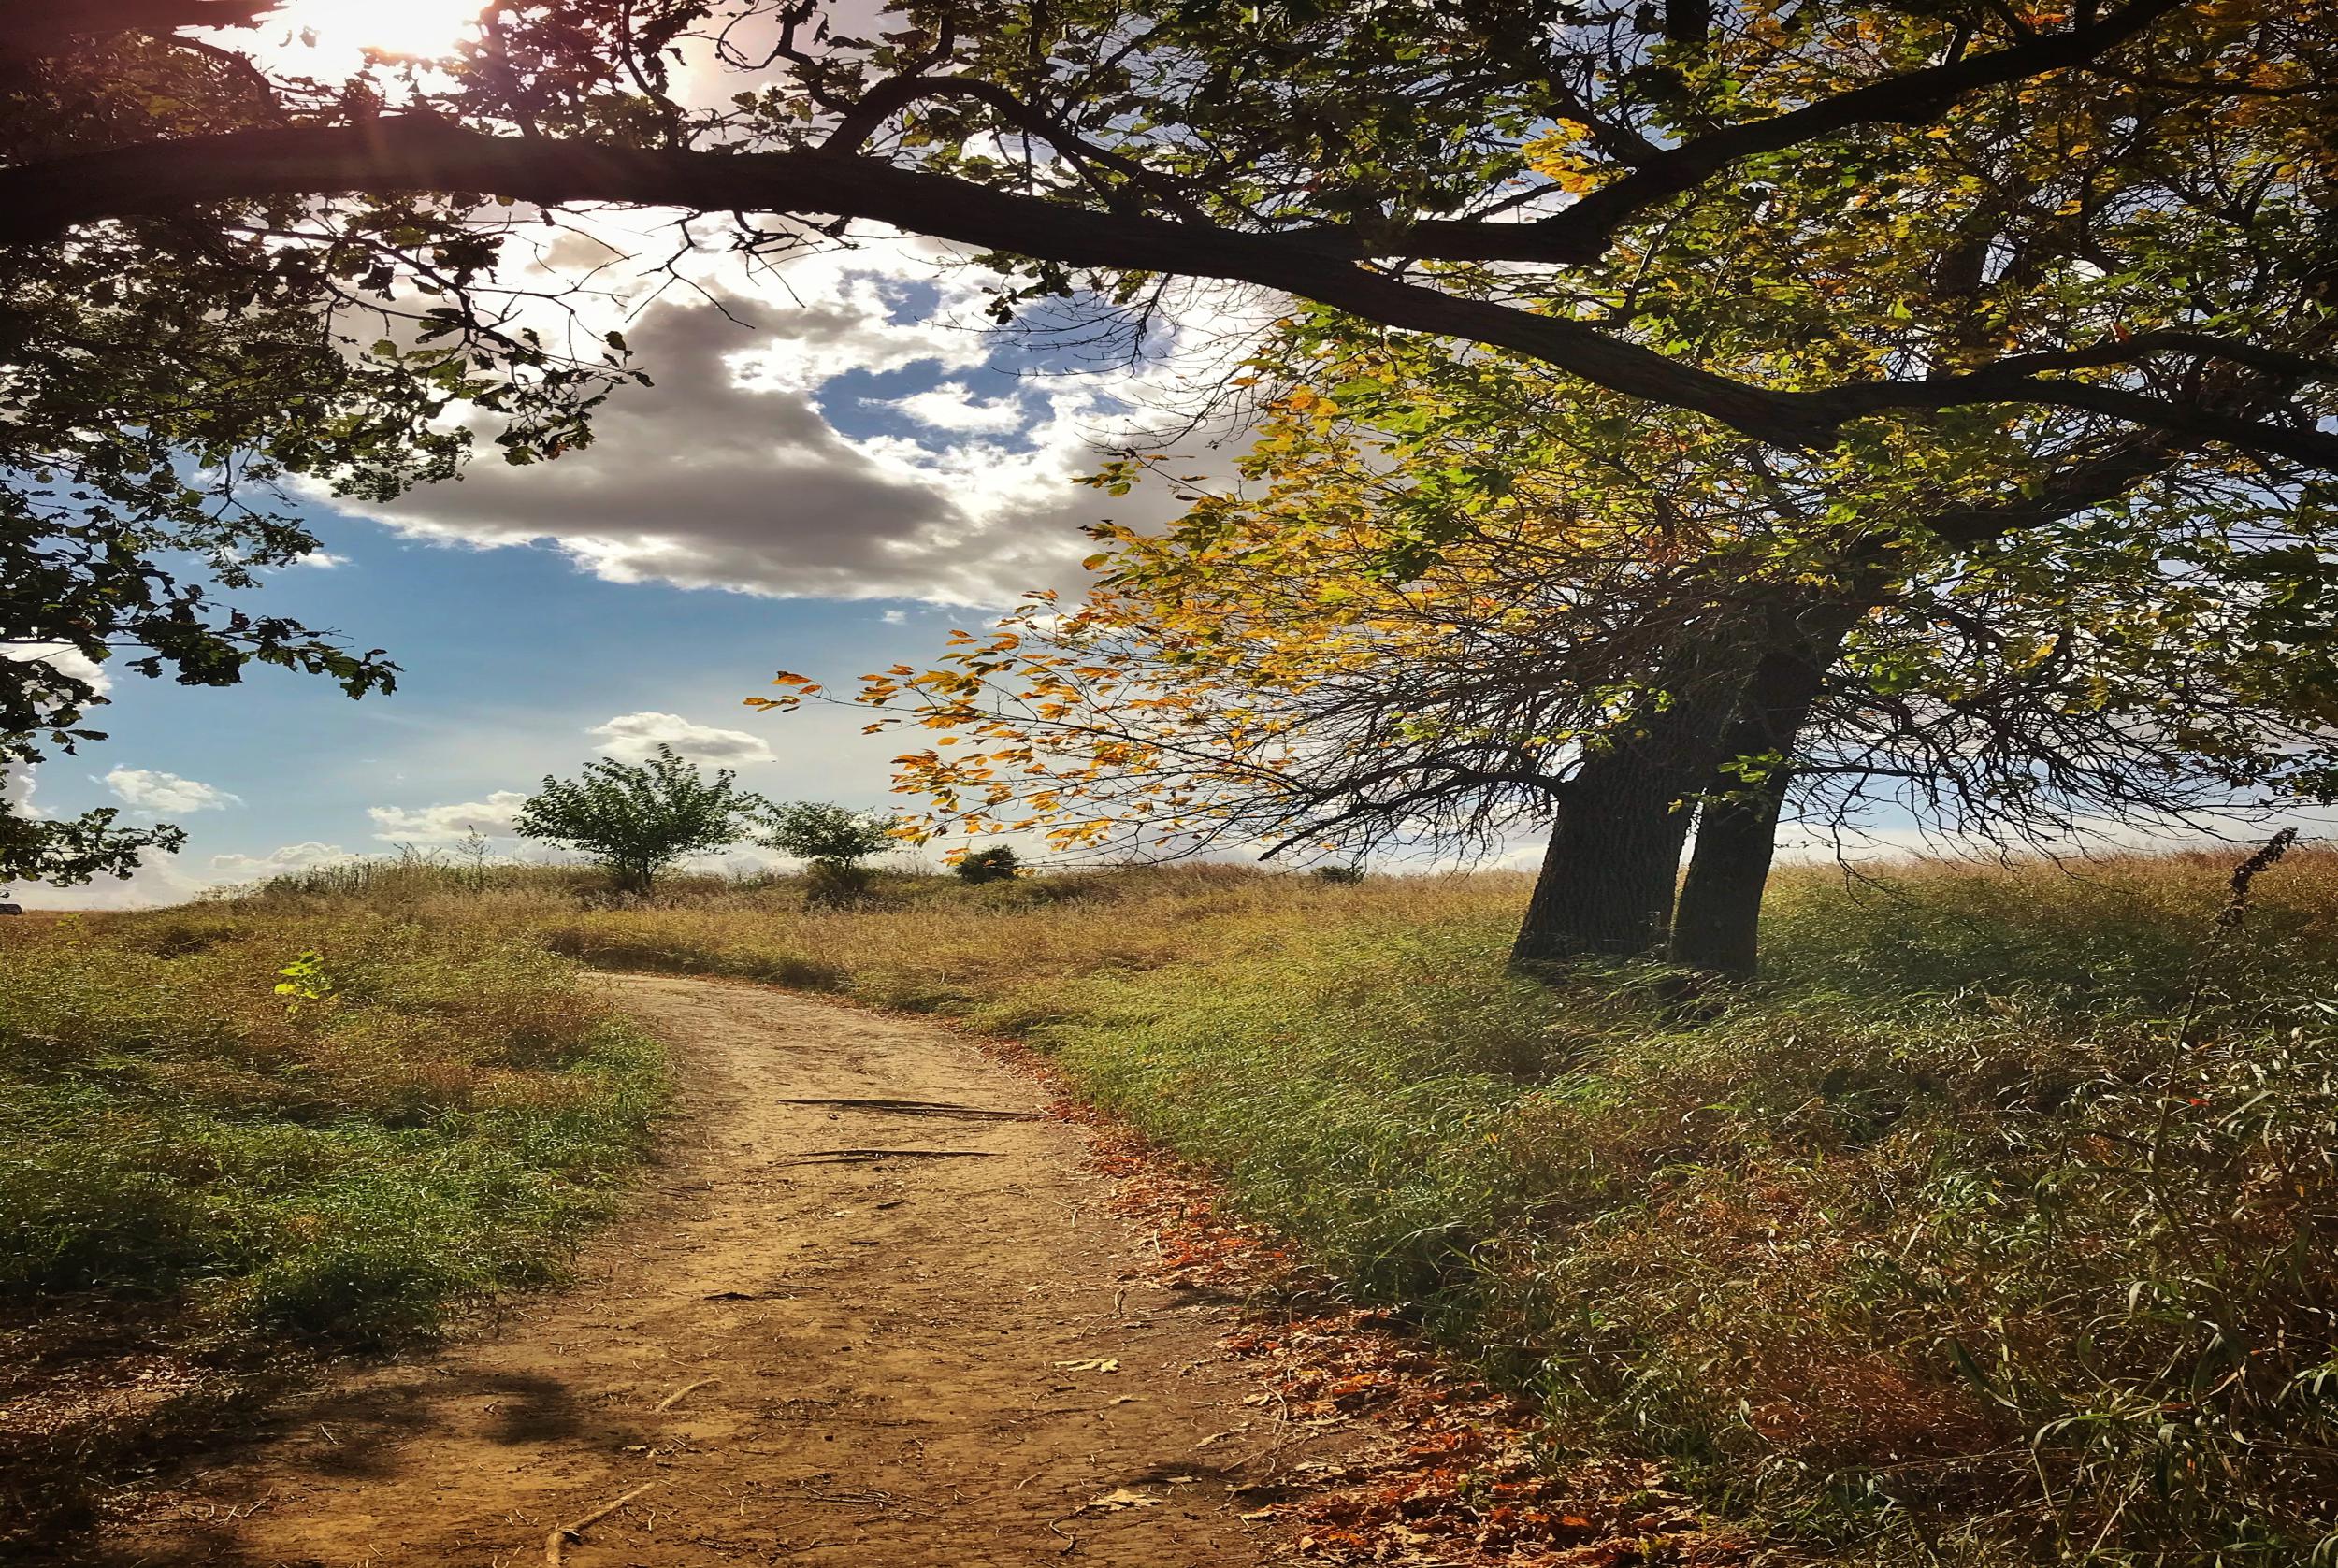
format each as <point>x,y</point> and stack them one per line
<point>1963,1276</point>
<point>1995,1227</point>
<point>433,1128</point>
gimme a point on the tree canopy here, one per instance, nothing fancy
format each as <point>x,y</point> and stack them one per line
<point>638,818</point>
<point>828,834</point>
<point>1450,600</point>
<point>2003,261</point>
<point>1539,177</point>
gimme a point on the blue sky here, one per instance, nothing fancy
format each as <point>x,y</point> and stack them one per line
<point>512,657</point>
<point>827,484</point>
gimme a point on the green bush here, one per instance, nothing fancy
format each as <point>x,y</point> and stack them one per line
<point>996,864</point>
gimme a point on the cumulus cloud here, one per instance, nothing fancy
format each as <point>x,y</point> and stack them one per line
<point>64,659</point>
<point>634,736</point>
<point>284,858</point>
<point>729,473</point>
<point>149,789</point>
<point>952,407</point>
<point>16,790</point>
<point>423,825</point>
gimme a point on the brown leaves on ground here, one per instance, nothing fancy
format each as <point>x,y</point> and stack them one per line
<point>1454,1476</point>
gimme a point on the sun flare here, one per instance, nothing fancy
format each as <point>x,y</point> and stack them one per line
<point>419,29</point>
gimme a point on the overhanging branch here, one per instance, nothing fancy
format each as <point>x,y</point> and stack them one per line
<point>417,153</point>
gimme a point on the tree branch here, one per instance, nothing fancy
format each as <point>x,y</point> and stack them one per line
<point>1581,233</point>
<point>40,201</point>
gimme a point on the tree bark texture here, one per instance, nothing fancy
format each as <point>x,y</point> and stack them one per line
<point>1716,924</point>
<point>1614,856</point>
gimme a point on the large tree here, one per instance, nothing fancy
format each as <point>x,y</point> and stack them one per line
<point>1851,230</point>
<point>1451,605</point>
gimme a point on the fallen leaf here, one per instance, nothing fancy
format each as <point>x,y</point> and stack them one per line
<point>1099,1364</point>
<point>1122,1497</point>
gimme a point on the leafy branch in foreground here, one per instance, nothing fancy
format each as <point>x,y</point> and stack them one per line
<point>1526,176</point>
<point>167,377</point>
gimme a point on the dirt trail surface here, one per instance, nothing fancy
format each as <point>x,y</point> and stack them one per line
<point>875,1311</point>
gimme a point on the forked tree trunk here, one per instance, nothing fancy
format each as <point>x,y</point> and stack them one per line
<point>1717,923</point>
<point>1607,875</point>
<point>1614,856</point>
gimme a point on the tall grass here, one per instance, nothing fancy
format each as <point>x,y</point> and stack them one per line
<point>429,1124</point>
<point>199,1171</point>
<point>1994,1228</point>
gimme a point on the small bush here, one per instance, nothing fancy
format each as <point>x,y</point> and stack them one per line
<point>996,864</point>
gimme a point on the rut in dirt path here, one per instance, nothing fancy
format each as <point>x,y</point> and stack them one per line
<point>875,1311</point>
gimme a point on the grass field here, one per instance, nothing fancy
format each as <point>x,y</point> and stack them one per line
<point>1994,1227</point>
<point>199,1171</point>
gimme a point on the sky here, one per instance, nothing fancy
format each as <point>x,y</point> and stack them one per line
<point>842,458</point>
<point>839,462</point>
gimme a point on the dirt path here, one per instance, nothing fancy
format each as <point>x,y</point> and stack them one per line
<point>874,1313</point>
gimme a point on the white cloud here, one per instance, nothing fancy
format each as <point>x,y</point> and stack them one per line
<point>895,617</point>
<point>635,736</point>
<point>730,473</point>
<point>149,789</point>
<point>284,858</point>
<point>64,659</point>
<point>16,790</point>
<point>952,407</point>
<point>447,823</point>
<point>159,880</point>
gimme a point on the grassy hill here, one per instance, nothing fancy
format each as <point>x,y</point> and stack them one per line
<point>1993,1227</point>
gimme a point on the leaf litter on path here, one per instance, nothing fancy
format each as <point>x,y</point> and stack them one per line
<point>1451,1477</point>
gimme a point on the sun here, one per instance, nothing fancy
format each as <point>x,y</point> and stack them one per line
<point>418,29</point>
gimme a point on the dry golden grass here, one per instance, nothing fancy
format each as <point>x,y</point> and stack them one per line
<point>1992,1229</point>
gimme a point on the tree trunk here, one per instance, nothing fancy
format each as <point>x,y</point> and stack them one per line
<point>1614,858</point>
<point>1717,924</point>
<point>1614,855</point>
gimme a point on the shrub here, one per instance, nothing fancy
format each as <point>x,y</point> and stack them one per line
<point>998,863</point>
<point>823,834</point>
<point>638,818</point>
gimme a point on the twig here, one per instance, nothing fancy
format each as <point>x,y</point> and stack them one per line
<point>841,1156</point>
<point>676,1398</point>
<point>557,1542</point>
<point>913,1108</point>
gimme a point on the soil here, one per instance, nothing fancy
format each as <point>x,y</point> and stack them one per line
<point>875,1310</point>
